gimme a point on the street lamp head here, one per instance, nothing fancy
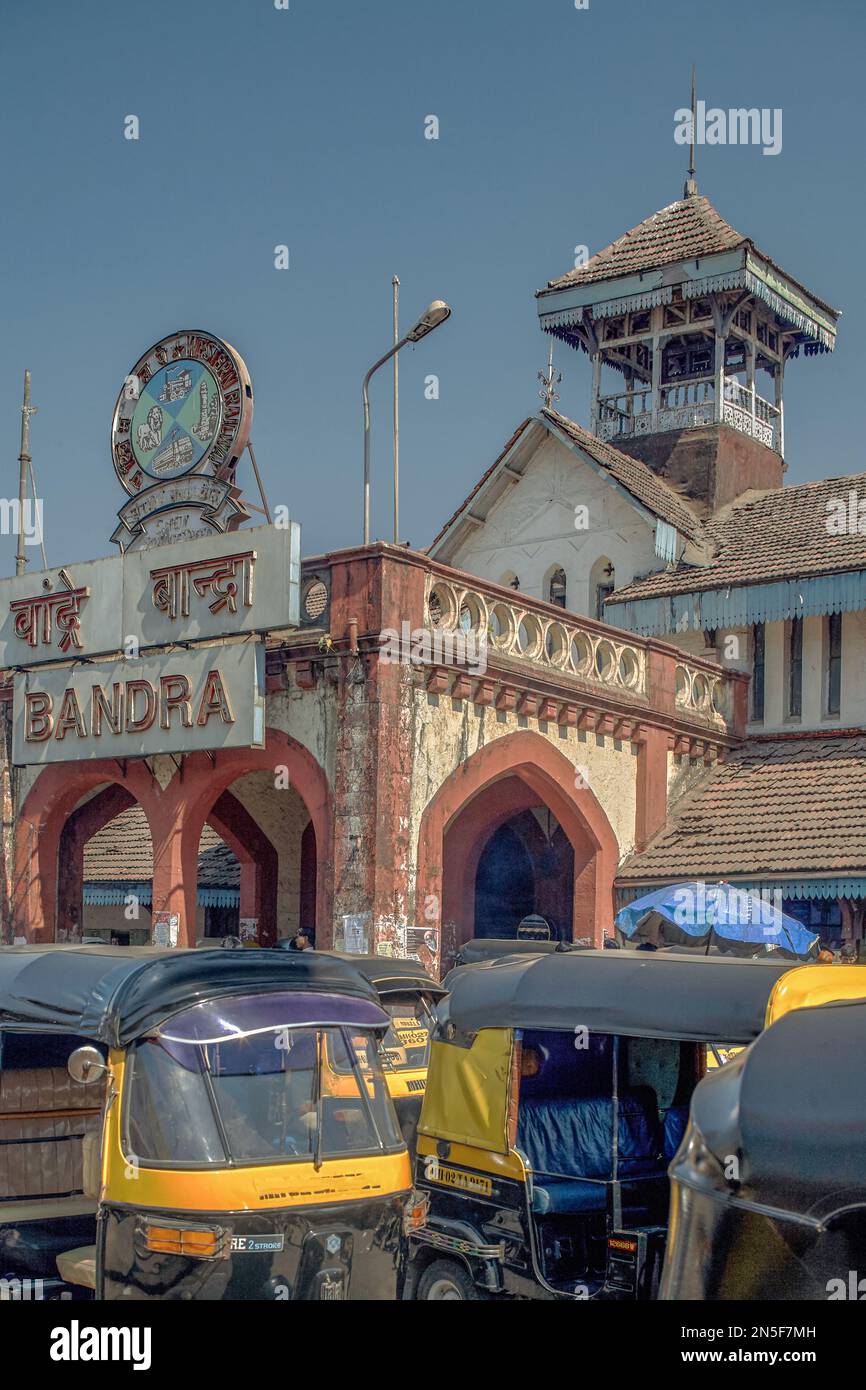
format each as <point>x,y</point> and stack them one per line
<point>433,315</point>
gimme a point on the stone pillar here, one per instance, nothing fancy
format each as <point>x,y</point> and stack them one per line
<point>651,802</point>
<point>175,864</point>
<point>378,589</point>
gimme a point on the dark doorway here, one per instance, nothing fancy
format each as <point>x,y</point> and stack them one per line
<point>504,885</point>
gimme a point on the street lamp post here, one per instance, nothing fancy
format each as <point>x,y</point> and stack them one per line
<point>433,315</point>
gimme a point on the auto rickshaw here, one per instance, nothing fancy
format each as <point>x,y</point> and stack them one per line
<point>482,948</point>
<point>806,986</point>
<point>409,996</point>
<point>180,1124</point>
<point>557,1094</point>
<point>768,1189</point>
<point>802,987</point>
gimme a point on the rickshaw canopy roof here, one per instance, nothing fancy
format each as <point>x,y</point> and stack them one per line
<point>793,1106</point>
<point>115,994</point>
<point>394,974</point>
<point>631,993</point>
<point>482,948</point>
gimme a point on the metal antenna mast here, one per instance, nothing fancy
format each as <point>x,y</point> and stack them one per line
<point>24,462</point>
<point>395,282</point>
<point>691,187</point>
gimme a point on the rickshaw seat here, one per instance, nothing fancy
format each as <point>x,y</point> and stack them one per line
<point>674,1128</point>
<point>567,1140</point>
<point>568,1196</point>
<point>78,1266</point>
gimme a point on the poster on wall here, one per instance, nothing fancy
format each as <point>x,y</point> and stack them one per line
<point>353,934</point>
<point>166,928</point>
<point>422,937</point>
<point>248,928</point>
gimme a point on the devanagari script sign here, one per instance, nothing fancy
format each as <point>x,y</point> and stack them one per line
<point>209,697</point>
<point>199,590</point>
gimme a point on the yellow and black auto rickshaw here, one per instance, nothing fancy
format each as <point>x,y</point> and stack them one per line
<point>768,1189</point>
<point>557,1094</point>
<point>409,996</point>
<point>807,986</point>
<point>196,1124</point>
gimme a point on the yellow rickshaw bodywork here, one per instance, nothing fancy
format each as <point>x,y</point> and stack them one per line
<point>807,986</point>
<point>251,1187</point>
<point>466,1101</point>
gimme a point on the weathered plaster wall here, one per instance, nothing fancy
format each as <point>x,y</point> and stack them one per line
<point>282,816</point>
<point>531,530</point>
<point>683,774</point>
<point>447,732</point>
<point>309,717</point>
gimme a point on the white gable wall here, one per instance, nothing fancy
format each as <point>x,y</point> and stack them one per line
<point>530,531</point>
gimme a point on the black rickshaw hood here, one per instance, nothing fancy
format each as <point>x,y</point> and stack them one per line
<point>630,993</point>
<point>791,1107</point>
<point>394,974</point>
<point>115,994</point>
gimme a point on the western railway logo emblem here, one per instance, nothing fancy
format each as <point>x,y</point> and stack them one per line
<point>181,423</point>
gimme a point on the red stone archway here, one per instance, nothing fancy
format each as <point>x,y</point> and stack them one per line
<point>257,859</point>
<point>176,815</point>
<point>502,778</point>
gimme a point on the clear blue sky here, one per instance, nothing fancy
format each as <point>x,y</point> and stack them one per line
<point>306,127</point>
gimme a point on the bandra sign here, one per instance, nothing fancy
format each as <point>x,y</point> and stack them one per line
<point>158,649</point>
<point>197,590</point>
<point>208,697</point>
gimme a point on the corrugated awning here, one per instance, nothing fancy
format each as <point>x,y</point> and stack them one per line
<point>741,605</point>
<point>797,889</point>
<point>118,893</point>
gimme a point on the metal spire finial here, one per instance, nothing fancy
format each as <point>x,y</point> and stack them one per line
<point>691,187</point>
<point>547,393</point>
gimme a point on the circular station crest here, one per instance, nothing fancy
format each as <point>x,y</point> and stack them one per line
<point>186,407</point>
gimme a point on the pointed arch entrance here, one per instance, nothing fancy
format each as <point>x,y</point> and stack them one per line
<point>523,782</point>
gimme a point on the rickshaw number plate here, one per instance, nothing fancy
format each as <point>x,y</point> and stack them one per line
<point>455,1177</point>
<point>412,1037</point>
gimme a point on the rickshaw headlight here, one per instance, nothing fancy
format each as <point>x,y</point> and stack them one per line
<point>195,1243</point>
<point>415,1212</point>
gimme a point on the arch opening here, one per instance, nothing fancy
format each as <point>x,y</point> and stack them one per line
<point>517,790</point>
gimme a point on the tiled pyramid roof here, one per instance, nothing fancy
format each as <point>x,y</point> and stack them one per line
<point>689,228</point>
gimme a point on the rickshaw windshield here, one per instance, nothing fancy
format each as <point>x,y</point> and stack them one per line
<point>407,1041</point>
<point>247,1084</point>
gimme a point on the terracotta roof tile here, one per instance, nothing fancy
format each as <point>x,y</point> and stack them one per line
<point>122,853</point>
<point>688,228</point>
<point>777,806</point>
<point>776,534</point>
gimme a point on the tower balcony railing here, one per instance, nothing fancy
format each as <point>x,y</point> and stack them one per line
<point>685,405</point>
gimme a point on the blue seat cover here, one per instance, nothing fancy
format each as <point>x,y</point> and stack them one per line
<point>674,1128</point>
<point>567,1140</point>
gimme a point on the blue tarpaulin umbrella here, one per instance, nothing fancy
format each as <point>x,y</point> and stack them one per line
<point>705,914</point>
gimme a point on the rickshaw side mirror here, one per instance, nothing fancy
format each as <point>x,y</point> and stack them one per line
<point>86,1064</point>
